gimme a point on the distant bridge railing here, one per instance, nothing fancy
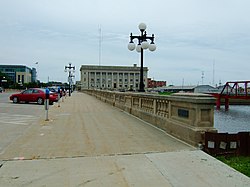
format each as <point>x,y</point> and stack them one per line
<point>236,90</point>
<point>185,116</point>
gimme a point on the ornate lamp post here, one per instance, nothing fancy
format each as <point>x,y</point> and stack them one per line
<point>142,45</point>
<point>71,70</point>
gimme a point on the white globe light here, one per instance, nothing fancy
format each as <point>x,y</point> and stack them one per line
<point>152,47</point>
<point>138,48</point>
<point>142,26</point>
<point>144,45</point>
<point>131,46</point>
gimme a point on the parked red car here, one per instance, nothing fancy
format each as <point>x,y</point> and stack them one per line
<point>33,95</point>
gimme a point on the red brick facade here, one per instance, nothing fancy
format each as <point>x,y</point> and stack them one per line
<point>154,83</point>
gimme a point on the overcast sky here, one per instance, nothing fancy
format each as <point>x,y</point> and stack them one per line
<point>192,36</point>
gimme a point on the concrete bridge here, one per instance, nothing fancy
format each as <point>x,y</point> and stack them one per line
<point>88,142</point>
<point>186,116</point>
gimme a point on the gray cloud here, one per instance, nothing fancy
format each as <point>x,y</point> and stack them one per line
<point>190,36</point>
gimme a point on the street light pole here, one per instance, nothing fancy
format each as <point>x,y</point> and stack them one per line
<point>70,69</point>
<point>142,45</point>
<point>142,85</point>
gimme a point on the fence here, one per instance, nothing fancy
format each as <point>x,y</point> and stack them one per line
<point>224,143</point>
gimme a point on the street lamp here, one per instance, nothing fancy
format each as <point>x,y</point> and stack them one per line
<point>70,69</point>
<point>142,45</point>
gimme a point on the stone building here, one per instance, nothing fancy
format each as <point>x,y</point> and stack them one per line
<point>112,77</point>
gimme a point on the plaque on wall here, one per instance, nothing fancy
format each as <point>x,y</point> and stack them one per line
<point>183,113</point>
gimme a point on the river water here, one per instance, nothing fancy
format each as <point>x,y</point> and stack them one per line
<point>236,119</point>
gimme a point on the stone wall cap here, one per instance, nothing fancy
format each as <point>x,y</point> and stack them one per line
<point>198,98</point>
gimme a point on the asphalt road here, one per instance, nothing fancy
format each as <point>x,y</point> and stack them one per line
<point>15,119</point>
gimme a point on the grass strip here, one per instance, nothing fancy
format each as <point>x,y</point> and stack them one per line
<point>239,163</point>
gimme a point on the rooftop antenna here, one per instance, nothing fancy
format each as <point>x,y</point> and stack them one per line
<point>213,71</point>
<point>182,83</point>
<point>100,43</point>
<point>202,77</point>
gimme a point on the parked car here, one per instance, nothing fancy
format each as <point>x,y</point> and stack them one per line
<point>52,89</point>
<point>1,90</point>
<point>33,95</point>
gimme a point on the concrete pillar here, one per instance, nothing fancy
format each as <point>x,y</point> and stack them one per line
<point>100,79</point>
<point>129,80</point>
<point>218,103</point>
<point>112,80</point>
<point>226,103</point>
<point>95,80</point>
<point>155,106</point>
<point>123,81</point>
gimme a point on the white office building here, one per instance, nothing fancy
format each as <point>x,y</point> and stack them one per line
<point>112,77</point>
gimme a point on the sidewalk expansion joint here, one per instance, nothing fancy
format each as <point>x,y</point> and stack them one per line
<point>80,156</point>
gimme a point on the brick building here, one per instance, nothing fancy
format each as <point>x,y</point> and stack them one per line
<point>154,84</point>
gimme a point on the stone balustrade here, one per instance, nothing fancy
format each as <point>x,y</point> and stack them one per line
<point>185,116</point>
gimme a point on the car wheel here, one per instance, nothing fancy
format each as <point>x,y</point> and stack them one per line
<point>40,101</point>
<point>15,100</point>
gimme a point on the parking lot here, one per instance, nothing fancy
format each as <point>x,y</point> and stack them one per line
<point>15,119</point>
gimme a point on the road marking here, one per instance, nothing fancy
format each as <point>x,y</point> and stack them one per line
<point>16,119</point>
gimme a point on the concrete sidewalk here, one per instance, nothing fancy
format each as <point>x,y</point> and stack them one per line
<point>89,143</point>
